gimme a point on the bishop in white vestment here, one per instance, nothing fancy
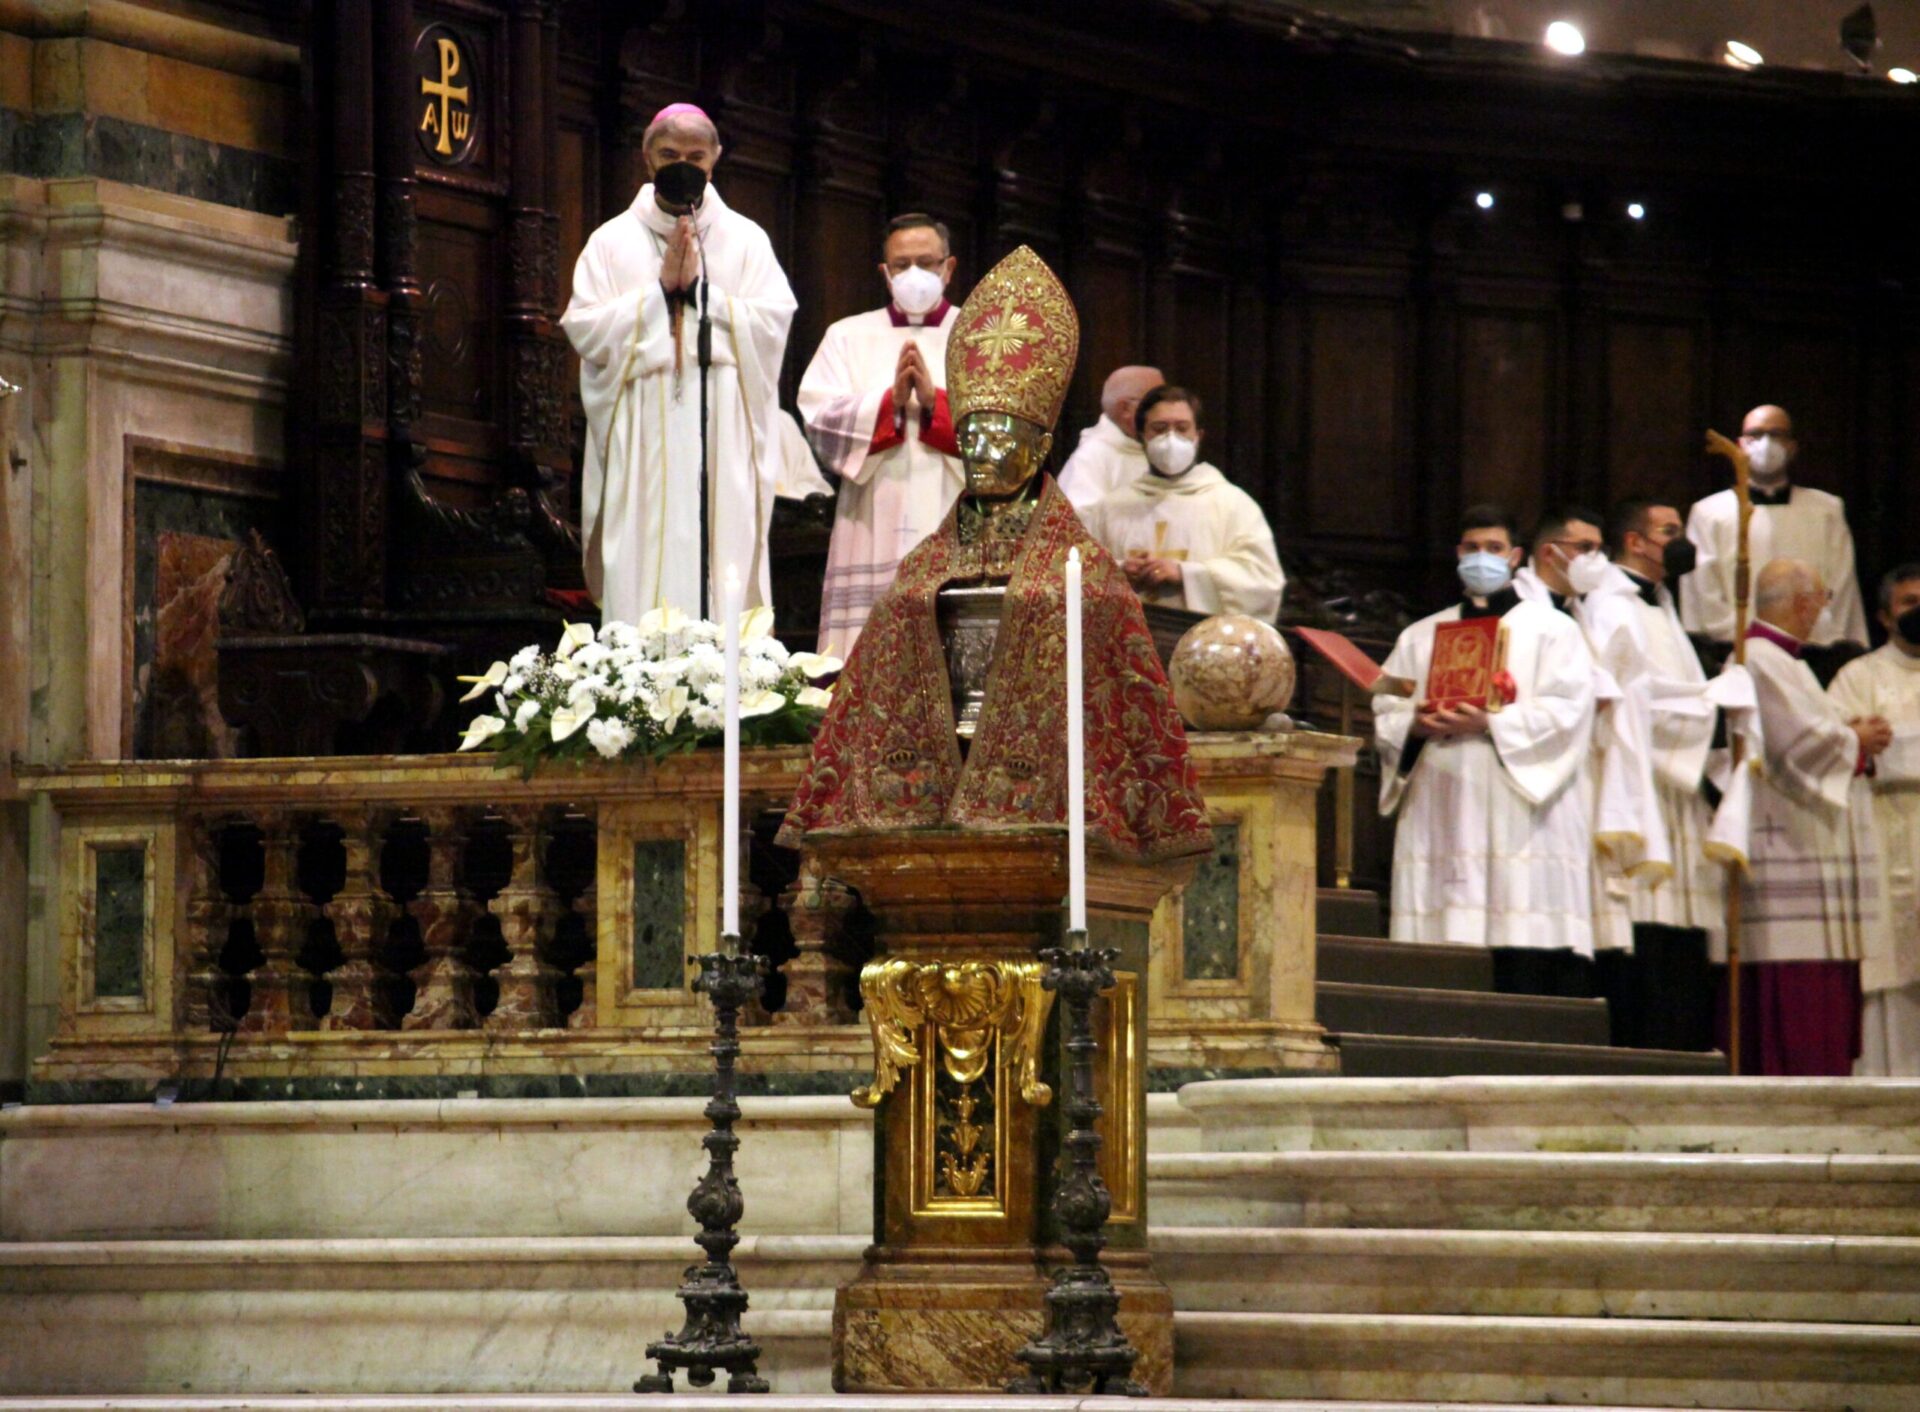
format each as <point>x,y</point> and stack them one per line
<point>1789,522</point>
<point>1812,895</point>
<point>1110,454</point>
<point>640,384</point>
<point>878,417</point>
<point>1495,836</point>
<point>1886,683</point>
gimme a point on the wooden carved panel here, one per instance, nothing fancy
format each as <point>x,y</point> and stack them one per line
<point>1355,463</point>
<point>1506,377</point>
<point>1656,408</point>
<point>459,271</point>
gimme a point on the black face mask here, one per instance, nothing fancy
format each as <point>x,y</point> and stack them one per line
<point>1908,625</point>
<point>681,183</point>
<point>1678,557</point>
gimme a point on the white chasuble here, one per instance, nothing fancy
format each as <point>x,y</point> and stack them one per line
<point>1637,637</point>
<point>899,468</point>
<point>1495,838</point>
<point>1214,529</point>
<point>1886,682</point>
<point>1812,526</point>
<point>1106,459</point>
<point>640,384</point>
<point>1812,890</point>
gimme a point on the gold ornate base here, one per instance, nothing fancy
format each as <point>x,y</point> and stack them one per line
<point>953,1325</point>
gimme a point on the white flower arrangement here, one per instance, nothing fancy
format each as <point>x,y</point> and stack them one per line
<point>645,691</point>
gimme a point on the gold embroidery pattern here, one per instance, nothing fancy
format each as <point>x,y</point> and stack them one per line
<point>969,1005</point>
<point>1014,344</point>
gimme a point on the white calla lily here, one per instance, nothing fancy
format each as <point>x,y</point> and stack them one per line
<point>486,681</point>
<point>663,620</point>
<point>481,729</point>
<point>572,638</point>
<point>761,703</point>
<point>569,719</point>
<point>815,664</point>
<point>816,697</point>
<point>669,707</point>
<point>756,623</point>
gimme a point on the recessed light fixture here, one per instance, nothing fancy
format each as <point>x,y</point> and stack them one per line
<point>1635,211</point>
<point>1742,56</point>
<point>1564,37</point>
<point>1484,200</point>
<point>1903,75</point>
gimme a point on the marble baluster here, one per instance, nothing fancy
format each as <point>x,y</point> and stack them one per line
<point>446,911</point>
<point>204,997</point>
<point>528,907</point>
<point>819,979</point>
<point>587,1015</point>
<point>281,999</point>
<point>361,914</point>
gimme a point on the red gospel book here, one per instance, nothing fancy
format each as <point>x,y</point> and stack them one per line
<point>1469,658</point>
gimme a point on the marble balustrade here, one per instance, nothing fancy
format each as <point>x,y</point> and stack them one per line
<point>432,925</point>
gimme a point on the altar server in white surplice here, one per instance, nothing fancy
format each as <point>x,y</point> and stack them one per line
<point>1109,454</point>
<point>1812,899</point>
<point>634,322</point>
<point>877,414</point>
<point>1789,522</point>
<point>1886,683</point>
<point>1677,899</point>
<point>1185,535</point>
<point>1495,837</point>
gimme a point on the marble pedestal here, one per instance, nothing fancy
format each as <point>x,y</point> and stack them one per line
<point>967,1062</point>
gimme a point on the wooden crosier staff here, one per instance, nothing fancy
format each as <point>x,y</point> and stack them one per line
<point>1719,445</point>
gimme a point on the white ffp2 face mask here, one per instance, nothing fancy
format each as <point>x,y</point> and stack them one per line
<point>917,290</point>
<point>1171,454</point>
<point>1768,456</point>
<point>1586,572</point>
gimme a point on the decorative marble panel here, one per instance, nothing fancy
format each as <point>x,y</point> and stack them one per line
<point>119,921</point>
<point>1210,938</point>
<point>659,914</point>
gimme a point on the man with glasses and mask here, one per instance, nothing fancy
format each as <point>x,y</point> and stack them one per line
<point>1885,685</point>
<point>640,290</point>
<point>1186,536</point>
<point>1495,836</point>
<point>1789,522</point>
<point>874,399</point>
<point>1660,996</point>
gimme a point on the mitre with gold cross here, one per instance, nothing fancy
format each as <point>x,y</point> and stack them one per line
<point>1013,347</point>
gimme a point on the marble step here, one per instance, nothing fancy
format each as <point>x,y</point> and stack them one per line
<point>1346,1008</point>
<point>1378,1056</point>
<point>780,1400</point>
<point>413,1168</point>
<point>1372,960</point>
<point>412,1316</point>
<point>1768,1195</point>
<point>1860,1117</point>
<point>1577,1274</point>
<point>1565,1362</point>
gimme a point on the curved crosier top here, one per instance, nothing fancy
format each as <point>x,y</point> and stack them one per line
<point>1013,347</point>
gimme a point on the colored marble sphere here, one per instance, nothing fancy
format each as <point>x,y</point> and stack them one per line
<point>1230,673</point>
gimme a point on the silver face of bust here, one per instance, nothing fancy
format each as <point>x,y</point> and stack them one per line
<point>1001,453</point>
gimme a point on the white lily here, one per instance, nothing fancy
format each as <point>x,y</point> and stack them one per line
<point>756,623</point>
<point>669,707</point>
<point>569,719</point>
<point>815,664</point>
<point>761,703</point>
<point>574,637</point>
<point>816,697</point>
<point>486,681</point>
<point>481,729</point>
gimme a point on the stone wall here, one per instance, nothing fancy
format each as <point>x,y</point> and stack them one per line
<point>146,271</point>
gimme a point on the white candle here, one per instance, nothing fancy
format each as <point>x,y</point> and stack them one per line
<point>730,787</point>
<point>1076,758</point>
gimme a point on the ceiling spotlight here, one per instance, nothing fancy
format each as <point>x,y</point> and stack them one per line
<point>1635,211</point>
<point>1742,56</point>
<point>1484,200</point>
<point>1903,76</point>
<point>1564,37</point>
